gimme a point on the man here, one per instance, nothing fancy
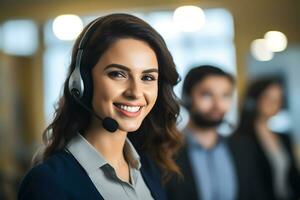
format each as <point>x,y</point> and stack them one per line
<point>206,162</point>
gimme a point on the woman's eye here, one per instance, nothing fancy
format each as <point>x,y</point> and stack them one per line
<point>205,94</point>
<point>117,74</point>
<point>148,78</point>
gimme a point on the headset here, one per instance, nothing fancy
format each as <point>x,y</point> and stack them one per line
<point>76,85</point>
<point>250,104</point>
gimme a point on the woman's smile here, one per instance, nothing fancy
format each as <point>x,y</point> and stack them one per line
<point>127,109</point>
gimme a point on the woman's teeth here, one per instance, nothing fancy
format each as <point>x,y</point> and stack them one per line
<point>129,108</point>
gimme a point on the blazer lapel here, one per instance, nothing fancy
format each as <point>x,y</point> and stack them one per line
<point>189,181</point>
<point>80,183</point>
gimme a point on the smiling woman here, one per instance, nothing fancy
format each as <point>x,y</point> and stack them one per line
<point>120,70</point>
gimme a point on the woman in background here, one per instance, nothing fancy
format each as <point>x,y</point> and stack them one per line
<point>120,82</point>
<point>268,156</point>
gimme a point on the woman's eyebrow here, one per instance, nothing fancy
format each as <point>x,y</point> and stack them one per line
<point>114,65</point>
<point>150,70</point>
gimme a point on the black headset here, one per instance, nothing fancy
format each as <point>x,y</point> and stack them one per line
<point>76,83</point>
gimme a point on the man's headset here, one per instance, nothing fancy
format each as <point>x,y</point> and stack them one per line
<point>76,83</point>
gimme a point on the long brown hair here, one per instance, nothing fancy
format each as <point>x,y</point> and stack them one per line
<point>249,111</point>
<point>158,135</point>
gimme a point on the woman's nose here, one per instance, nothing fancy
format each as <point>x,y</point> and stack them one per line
<point>134,89</point>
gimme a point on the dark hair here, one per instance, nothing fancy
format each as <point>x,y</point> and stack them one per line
<point>249,110</point>
<point>198,74</point>
<point>158,134</point>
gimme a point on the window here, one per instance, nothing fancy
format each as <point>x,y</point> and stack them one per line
<point>20,37</point>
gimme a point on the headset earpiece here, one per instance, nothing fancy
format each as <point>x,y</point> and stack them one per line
<point>75,93</point>
<point>76,81</point>
<point>186,101</point>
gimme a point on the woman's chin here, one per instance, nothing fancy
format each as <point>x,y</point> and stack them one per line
<point>128,128</point>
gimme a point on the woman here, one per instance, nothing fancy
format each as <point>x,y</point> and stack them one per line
<point>120,82</point>
<point>268,157</point>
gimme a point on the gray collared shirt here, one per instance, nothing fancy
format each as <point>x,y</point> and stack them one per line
<point>213,169</point>
<point>103,175</point>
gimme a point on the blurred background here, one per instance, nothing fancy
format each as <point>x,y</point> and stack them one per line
<point>248,39</point>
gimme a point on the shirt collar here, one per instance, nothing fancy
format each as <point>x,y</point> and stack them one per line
<point>90,159</point>
<point>131,155</point>
<point>191,140</point>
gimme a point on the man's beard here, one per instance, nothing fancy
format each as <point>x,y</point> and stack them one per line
<point>201,121</point>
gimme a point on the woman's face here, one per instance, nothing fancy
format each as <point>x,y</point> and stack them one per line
<point>270,101</point>
<point>125,81</point>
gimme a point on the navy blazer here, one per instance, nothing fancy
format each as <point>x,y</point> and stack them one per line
<point>256,165</point>
<point>62,177</point>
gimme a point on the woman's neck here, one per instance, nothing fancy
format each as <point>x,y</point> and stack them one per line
<point>261,123</point>
<point>110,145</point>
<point>265,135</point>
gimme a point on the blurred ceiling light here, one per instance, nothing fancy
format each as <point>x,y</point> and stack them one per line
<point>189,18</point>
<point>260,50</point>
<point>67,27</point>
<point>276,41</point>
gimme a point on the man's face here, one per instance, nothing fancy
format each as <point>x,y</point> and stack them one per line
<point>211,98</point>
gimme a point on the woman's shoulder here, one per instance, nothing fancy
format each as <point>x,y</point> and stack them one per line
<point>45,180</point>
<point>56,164</point>
<point>241,140</point>
<point>53,164</point>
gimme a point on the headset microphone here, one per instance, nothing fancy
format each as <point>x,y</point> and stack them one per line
<point>76,83</point>
<point>108,123</point>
